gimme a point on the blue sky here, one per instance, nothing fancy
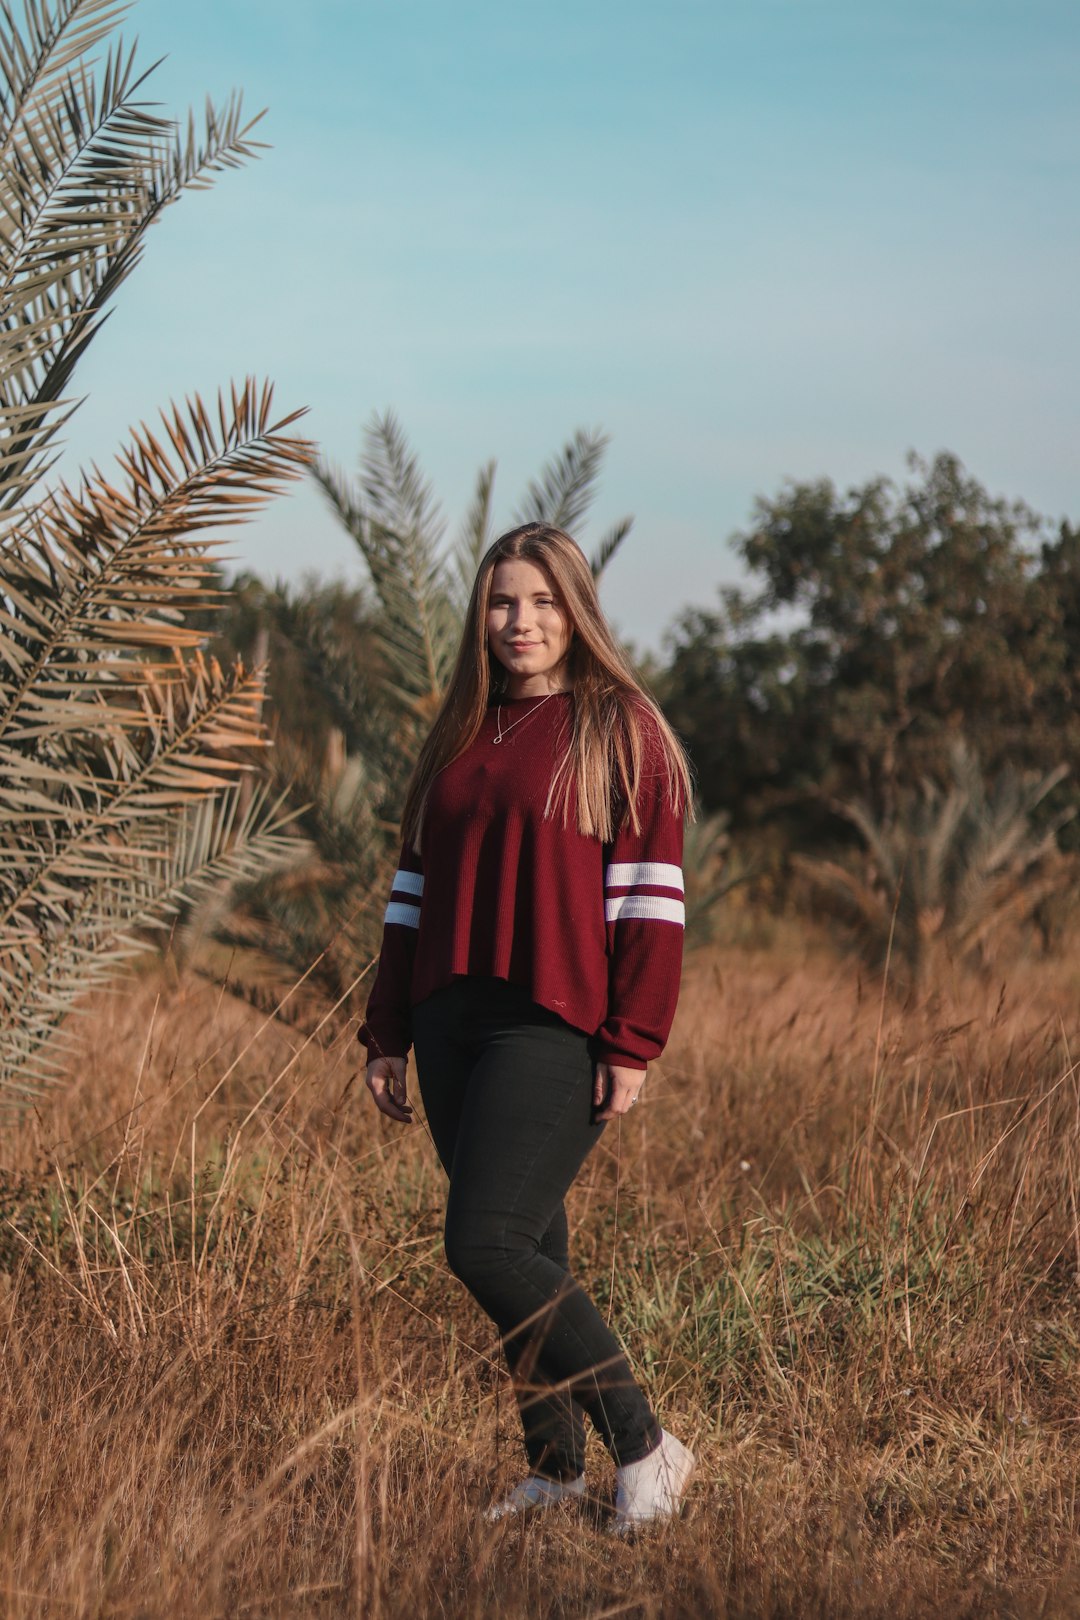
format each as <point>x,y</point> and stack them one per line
<point>754,240</point>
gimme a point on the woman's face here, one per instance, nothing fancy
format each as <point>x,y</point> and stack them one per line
<point>528,630</point>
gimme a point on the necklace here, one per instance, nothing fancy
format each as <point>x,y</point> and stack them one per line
<point>501,732</point>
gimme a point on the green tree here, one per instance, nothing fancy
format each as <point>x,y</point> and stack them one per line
<point>881,626</point>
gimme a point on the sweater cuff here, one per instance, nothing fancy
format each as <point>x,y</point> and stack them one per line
<point>622,1060</point>
<point>383,1042</point>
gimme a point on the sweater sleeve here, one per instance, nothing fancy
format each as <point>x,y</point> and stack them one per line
<point>644,912</point>
<point>387,1027</point>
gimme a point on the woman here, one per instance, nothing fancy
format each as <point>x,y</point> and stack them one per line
<point>531,955</point>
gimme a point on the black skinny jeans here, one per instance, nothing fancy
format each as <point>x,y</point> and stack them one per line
<point>507,1088</point>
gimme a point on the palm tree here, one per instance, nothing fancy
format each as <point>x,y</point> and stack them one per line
<point>121,746</point>
<point>950,870</point>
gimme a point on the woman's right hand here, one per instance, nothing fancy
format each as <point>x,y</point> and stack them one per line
<point>386,1082</point>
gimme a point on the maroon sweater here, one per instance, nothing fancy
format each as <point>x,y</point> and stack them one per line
<point>593,931</point>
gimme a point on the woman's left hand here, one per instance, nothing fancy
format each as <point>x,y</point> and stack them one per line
<point>615,1090</point>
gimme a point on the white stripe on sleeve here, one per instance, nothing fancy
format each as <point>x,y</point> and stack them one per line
<point>629,874</point>
<point>398,913</point>
<point>407,883</point>
<point>654,906</point>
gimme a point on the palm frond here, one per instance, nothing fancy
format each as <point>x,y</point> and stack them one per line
<point>212,844</point>
<point>66,821</point>
<point>87,167</point>
<point>399,500</point>
<point>943,819</point>
<point>54,36</point>
<point>474,538</point>
<point>343,500</point>
<point>103,568</point>
<point>224,142</point>
<point>336,658</point>
<point>609,545</point>
<point>858,901</point>
<point>318,919</point>
<point>395,520</point>
<point>711,874</point>
<point>885,850</point>
<point>566,487</point>
<point>33,61</point>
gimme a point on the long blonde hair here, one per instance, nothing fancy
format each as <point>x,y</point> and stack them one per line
<point>617,728</point>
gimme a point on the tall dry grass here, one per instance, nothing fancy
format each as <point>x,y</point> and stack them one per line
<point>840,1239</point>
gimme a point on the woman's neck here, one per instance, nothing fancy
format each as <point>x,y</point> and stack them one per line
<point>533,686</point>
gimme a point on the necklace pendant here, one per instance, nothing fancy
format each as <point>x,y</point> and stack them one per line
<point>500,734</point>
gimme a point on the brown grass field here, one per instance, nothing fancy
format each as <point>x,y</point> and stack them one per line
<point>841,1240</point>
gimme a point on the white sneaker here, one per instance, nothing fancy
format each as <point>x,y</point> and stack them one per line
<point>535,1493</point>
<point>653,1487</point>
